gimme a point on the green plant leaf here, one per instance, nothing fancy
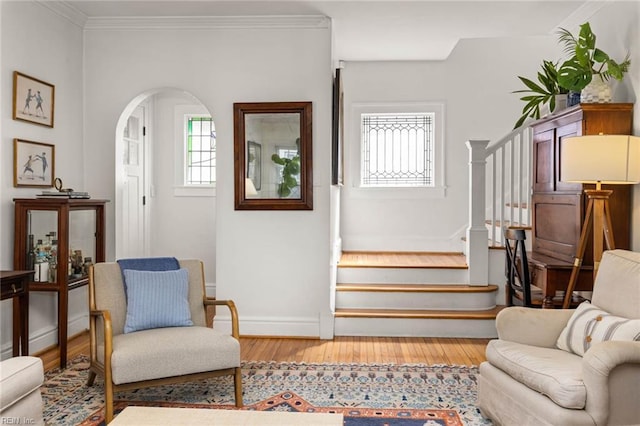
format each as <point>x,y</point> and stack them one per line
<point>599,56</point>
<point>586,38</point>
<point>294,168</point>
<point>290,181</point>
<point>283,190</point>
<point>276,159</point>
<point>531,85</point>
<point>565,37</point>
<point>573,76</point>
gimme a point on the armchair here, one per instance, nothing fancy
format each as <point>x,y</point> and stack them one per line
<point>133,359</point>
<point>569,367</point>
<point>20,397</point>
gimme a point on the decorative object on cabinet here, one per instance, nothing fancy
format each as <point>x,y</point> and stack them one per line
<point>56,235</point>
<point>587,63</point>
<point>609,159</point>
<point>33,100</point>
<point>558,207</point>
<point>282,129</point>
<point>33,164</point>
<point>548,92</point>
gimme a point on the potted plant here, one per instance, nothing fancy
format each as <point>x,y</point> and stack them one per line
<point>586,61</point>
<point>290,169</point>
<point>540,94</point>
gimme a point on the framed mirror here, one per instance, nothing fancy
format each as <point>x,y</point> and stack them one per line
<point>272,156</point>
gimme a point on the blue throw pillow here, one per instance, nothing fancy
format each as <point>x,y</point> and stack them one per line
<point>157,299</point>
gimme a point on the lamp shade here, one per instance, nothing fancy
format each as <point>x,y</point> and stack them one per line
<point>611,159</point>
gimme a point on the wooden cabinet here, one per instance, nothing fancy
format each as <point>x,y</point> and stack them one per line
<point>63,233</point>
<point>559,207</point>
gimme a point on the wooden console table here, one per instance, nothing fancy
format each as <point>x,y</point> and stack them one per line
<point>15,285</point>
<point>552,275</point>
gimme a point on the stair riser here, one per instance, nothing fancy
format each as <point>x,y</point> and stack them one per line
<point>400,327</point>
<point>402,275</point>
<point>392,300</point>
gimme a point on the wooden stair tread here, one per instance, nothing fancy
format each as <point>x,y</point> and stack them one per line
<point>418,314</point>
<point>508,223</point>
<point>417,288</point>
<point>379,259</point>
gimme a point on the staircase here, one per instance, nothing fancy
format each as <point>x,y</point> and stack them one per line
<point>444,294</point>
<point>411,294</point>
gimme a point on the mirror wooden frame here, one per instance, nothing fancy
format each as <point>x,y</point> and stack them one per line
<point>240,142</point>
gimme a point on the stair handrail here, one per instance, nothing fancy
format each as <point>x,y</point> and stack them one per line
<point>500,192</point>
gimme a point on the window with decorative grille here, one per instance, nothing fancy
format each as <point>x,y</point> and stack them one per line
<point>397,150</point>
<point>200,150</point>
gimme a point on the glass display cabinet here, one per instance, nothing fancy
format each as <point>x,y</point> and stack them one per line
<point>59,238</point>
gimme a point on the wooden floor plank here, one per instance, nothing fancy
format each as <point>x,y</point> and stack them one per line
<point>401,350</point>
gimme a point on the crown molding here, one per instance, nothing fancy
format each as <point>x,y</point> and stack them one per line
<point>65,10</point>
<point>207,22</point>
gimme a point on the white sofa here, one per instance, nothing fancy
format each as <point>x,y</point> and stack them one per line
<point>529,380</point>
<point>20,398</point>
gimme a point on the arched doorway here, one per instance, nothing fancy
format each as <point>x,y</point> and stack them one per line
<point>149,155</point>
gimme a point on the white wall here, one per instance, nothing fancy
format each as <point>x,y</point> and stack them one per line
<point>41,44</point>
<point>618,40</point>
<point>183,222</point>
<point>475,85</point>
<point>273,264</point>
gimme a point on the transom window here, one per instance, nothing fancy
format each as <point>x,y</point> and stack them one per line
<point>398,149</point>
<point>200,150</point>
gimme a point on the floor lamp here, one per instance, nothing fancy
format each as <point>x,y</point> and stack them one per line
<point>598,159</point>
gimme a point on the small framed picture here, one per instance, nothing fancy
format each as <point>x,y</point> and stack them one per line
<point>33,100</point>
<point>33,164</point>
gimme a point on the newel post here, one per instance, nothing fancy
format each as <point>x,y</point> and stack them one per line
<point>477,233</point>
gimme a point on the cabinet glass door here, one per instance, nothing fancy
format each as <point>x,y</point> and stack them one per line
<point>42,245</point>
<point>82,242</point>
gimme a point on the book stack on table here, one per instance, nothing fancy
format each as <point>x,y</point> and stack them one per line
<point>63,194</point>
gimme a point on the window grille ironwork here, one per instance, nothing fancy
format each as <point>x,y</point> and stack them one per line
<point>397,149</point>
<point>201,151</point>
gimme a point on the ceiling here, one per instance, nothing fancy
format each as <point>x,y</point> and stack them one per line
<point>378,30</point>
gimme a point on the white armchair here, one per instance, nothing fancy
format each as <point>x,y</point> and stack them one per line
<point>20,398</point>
<point>570,367</point>
<point>156,333</point>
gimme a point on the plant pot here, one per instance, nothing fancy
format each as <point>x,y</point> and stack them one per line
<point>598,91</point>
<point>561,102</point>
<point>573,98</point>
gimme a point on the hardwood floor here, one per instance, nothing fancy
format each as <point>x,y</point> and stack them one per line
<point>397,350</point>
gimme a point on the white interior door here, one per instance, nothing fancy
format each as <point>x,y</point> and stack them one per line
<point>133,208</point>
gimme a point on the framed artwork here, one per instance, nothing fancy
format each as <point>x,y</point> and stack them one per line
<point>33,164</point>
<point>288,122</point>
<point>337,160</point>
<point>254,163</point>
<point>33,100</point>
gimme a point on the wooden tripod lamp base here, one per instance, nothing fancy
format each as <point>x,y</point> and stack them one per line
<point>598,208</point>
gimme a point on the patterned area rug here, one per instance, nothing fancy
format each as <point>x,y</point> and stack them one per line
<point>366,394</point>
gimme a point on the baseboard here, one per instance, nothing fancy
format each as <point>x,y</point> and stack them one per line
<point>210,289</point>
<point>274,326</point>
<point>47,337</point>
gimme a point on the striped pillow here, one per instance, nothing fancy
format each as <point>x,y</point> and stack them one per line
<point>157,299</point>
<point>590,325</point>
